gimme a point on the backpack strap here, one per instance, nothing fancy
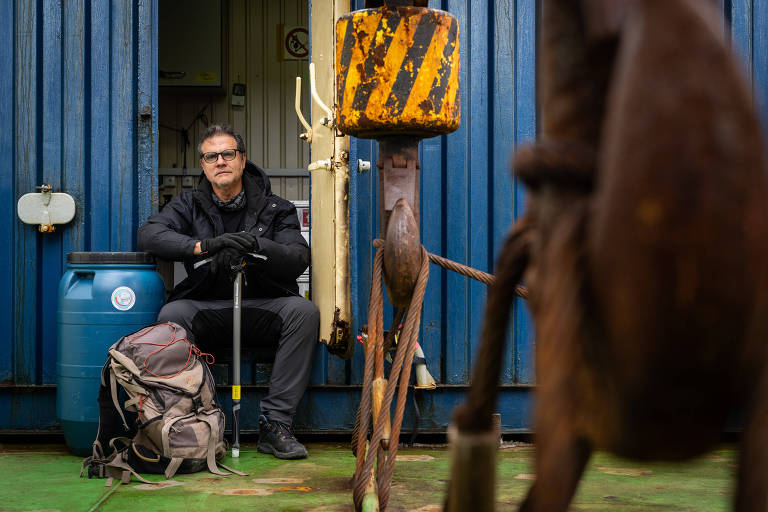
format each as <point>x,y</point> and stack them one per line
<point>119,468</point>
<point>173,466</point>
<point>175,462</point>
<point>113,389</point>
<point>144,457</point>
<point>211,459</point>
<point>231,470</point>
<point>165,433</point>
<point>97,462</point>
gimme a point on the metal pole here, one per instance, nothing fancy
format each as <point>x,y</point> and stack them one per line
<point>236,319</point>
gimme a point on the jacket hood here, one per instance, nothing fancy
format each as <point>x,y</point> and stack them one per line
<point>261,177</point>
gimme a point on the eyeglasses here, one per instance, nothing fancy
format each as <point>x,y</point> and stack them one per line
<point>212,157</point>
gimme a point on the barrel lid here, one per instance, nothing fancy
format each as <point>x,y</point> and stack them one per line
<point>106,258</point>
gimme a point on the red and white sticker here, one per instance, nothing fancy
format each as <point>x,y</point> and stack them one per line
<point>123,298</point>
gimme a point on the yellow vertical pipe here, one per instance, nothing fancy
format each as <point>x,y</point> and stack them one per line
<point>330,187</point>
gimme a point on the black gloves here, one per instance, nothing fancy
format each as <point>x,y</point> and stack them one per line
<point>225,259</point>
<point>227,250</point>
<point>242,241</point>
<point>247,241</point>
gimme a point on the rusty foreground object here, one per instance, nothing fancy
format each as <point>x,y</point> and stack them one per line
<point>645,249</point>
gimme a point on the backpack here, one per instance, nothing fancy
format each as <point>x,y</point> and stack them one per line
<point>157,408</point>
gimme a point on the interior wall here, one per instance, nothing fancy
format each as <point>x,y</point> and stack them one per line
<point>267,121</point>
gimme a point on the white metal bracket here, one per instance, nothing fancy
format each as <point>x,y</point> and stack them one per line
<point>328,120</point>
<point>307,136</point>
<point>46,208</point>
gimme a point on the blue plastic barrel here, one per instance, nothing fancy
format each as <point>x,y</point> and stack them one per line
<point>102,297</point>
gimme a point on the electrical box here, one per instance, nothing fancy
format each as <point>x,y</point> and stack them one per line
<point>192,49</point>
<point>302,209</point>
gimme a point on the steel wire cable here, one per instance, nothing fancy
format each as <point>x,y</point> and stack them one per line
<point>410,333</point>
<point>404,350</point>
<point>402,362</point>
<point>473,273</point>
<point>374,307</point>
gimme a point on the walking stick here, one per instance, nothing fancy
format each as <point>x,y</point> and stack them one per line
<point>236,321</point>
<point>236,330</point>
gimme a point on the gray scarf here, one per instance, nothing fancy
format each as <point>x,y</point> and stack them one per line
<point>234,204</point>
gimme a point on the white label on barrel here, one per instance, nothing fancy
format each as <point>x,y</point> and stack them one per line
<point>123,298</point>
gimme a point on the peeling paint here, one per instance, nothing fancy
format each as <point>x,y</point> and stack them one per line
<point>158,485</point>
<point>405,77</point>
<point>245,492</point>
<point>624,471</point>
<point>413,458</point>
<point>278,480</point>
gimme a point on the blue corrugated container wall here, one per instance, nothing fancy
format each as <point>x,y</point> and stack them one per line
<point>78,99</point>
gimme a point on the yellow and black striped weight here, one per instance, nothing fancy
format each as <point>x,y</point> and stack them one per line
<point>397,72</point>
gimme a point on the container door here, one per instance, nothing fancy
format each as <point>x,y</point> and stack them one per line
<point>78,97</point>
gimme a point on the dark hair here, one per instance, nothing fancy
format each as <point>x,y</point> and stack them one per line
<point>220,129</point>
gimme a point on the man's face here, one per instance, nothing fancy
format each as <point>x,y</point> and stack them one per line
<point>223,174</point>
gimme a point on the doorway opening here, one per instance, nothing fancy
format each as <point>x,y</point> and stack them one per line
<point>234,62</point>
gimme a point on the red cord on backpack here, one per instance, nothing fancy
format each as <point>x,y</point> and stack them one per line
<point>192,349</point>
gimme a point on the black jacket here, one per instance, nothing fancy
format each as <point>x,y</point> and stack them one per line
<point>192,216</point>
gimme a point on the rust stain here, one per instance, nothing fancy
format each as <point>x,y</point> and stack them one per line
<point>310,465</point>
<point>378,55</point>
<point>426,106</point>
<point>158,485</point>
<point>278,480</point>
<point>245,492</point>
<point>361,35</point>
<point>624,471</point>
<point>413,458</point>
<point>303,488</point>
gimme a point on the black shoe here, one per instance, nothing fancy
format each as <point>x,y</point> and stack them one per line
<point>278,439</point>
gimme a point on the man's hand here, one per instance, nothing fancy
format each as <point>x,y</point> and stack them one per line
<point>247,241</point>
<point>244,242</point>
<point>225,259</point>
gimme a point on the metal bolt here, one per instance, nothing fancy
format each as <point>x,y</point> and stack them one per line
<point>363,165</point>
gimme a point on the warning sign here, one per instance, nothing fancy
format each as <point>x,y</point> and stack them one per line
<point>295,43</point>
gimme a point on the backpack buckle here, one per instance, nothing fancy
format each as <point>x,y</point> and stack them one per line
<point>96,470</point>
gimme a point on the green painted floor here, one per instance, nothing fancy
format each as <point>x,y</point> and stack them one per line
<point>45,478</point>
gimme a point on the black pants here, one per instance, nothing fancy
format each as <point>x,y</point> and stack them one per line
<point>288,325</point>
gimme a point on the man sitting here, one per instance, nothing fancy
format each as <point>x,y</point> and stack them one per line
<point>234,212</point>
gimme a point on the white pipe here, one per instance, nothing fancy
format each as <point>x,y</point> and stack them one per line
<point>315,96</point>
<point>297,106</point>
<point>321,164</point>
